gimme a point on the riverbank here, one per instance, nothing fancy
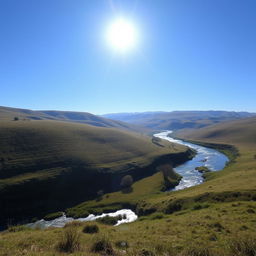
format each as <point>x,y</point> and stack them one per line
<point>206,157</point>
<point>230,151</point>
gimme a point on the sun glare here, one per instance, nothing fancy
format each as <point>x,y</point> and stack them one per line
<point>122,35</point>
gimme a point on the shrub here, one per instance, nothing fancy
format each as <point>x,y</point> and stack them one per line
<point>126,181</point>
<point>70,241</point>
<point>18,228</point>
<point>53,216</point>
<point>146,252</point>
<point>102,245</point>
<point>108,220</point>
<point>15,118</point>
<point>250,210</point>
<point>200,206</point>
<point>157,216</point>
<point>217,226</point>
<point>174,207</point>
<point>91,229</point>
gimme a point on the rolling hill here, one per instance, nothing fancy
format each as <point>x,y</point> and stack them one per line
<point>49,165</point>
<point>8,114</point>
<point>238,132</point>
<point>214,218</point>
<point>178,119</point>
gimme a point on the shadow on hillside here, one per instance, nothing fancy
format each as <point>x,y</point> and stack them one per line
<point>127,190</point>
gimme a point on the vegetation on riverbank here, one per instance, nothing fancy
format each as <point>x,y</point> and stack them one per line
<point>218,229</point>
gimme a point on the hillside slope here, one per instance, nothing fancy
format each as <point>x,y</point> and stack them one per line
<point>214,218</point>
<point>48,165</point>
<point>178,119</point>
<point>8,114</point>
<point>238,132</point>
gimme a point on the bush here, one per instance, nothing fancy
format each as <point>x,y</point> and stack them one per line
<point>70,241</point>
<point>91,229</point>
<point>15,118</point>
<point>217,226</point>
<point>126,181</point>
<point>200,206</point>
<point>102,245</point>
<point>146,252</point>
<point>53,216</point>
<point>157,216</point>
<point>18,228</point>
<point>108,220</point>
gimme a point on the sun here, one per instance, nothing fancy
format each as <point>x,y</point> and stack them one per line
<point>122,35</point>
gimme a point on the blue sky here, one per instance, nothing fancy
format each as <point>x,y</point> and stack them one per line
<point>192,55</point>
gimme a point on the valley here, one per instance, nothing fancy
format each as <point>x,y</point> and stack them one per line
<point>215,215</point>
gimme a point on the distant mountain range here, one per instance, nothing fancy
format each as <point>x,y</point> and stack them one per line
<point>178,119</point>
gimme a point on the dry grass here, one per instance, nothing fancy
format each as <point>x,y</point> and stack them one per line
<point>70,241</point>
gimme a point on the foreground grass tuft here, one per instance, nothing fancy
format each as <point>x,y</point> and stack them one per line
<point>102,245</point>
<point>91,229</point>
<point>197,251</point>
<point>243,246</point>
<point>70,241</point>
<point>18,228</point>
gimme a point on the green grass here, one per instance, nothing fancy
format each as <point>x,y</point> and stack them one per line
<point>214,218</point>
<point>41,162</point>
<point>216,228</point>
<point>17,115</point>
<point>237,182</point>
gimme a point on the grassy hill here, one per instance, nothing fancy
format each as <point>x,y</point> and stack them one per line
<point>9,114</point>
<point>214,218</point>
<point>238,132</point>
<point>49,165</point>
<point>178,119</point>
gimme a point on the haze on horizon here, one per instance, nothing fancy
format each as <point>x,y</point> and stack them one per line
<point>191,55</point>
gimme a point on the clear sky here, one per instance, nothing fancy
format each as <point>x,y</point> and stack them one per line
<point>191,55</point>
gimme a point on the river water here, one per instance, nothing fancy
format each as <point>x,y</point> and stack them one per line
<point>211,158</point>
<point>208,157</point>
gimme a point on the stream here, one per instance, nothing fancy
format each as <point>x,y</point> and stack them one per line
<point>210,158</point>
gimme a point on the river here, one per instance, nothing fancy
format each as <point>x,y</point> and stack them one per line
<point>208,157</point>
<point>212,159</point>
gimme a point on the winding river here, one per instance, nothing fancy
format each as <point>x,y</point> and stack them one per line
<point>212,159</point>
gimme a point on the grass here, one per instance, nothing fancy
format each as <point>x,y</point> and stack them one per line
<point>178,119</point>
<point>16,114</point>
<point>42,161</point>
<point>216,217</point>
<point>102,245</point>
<point>70,241</point>
<point>217,229</point>
<point>52,216</point>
